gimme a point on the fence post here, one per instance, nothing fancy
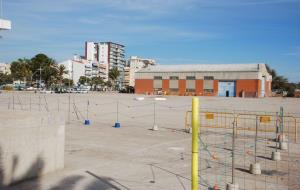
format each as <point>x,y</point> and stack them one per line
<point>58,104</point>
<point>39,101</point>
<point>13,100</point>
<point>195,128</point>
<point>233,153</point>
<point>117,123</point>
<point>30,101</point>
<point>255,167</point>
<point>87,121</point>
<point>69,106</point>
<point>255,143</point>
<point>233,185</point>
<point>155,127</point>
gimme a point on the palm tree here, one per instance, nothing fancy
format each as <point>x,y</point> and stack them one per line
<point>95,81</point>
<point>61,72</point>
<point>114,73</point>
<point>84,80</point>
<point>20,69</point>
<point>278,81</point>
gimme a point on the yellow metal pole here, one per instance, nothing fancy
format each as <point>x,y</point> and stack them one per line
<point>195,126</point>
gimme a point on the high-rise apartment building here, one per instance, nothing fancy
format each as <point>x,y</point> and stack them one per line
<point>135,64</point>
<point>109,54</point>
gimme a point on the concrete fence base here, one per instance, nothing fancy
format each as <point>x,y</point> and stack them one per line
<point>31,144</point>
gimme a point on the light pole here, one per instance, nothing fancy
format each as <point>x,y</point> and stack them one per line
<point>40,69</point>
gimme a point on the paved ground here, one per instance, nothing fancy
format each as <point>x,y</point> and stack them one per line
<point>134,157</point>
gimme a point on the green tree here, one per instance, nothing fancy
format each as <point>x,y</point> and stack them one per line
<point>5,78</point>
<point>48,65</point>
<point>20,69</point>
<point>84,80</point>
<point>280,83</point>
<point>113,75</point>
<point>68,82</point>
<point>96,81</point>
<point>61,72</point>
<point>108,84</point>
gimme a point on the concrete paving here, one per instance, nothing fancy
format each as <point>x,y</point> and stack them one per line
<point>99,156</point>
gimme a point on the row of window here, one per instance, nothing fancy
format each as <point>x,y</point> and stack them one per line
<point>208,83</point>
<point>187,90</point>
<point>187,78</point>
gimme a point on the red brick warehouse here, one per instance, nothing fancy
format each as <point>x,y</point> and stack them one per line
<point>225,80</point>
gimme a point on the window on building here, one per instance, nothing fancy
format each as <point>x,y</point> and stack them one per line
<point>190,83</point>
<point>157,84</point>
<point>173,83</point>
<point>208,84</point>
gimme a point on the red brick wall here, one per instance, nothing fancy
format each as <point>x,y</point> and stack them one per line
<point>249,86</point>
<point>182,86</point>
<point>165,85</point>
<point>216,87</point>
<point>199,87</point>
<point>143,85</point>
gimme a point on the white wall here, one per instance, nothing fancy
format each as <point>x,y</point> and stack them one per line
<point>137,64</point>
<point>103,57</point>
<point>31,144</point>
<point>75,70</point>
<point>90,51</point>
<point>5,68</point>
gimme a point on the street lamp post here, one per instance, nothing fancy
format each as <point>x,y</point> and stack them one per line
<point>40,70</point>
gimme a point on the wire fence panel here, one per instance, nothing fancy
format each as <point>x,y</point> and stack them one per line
<point>215,139</point>
<point>266,149</point>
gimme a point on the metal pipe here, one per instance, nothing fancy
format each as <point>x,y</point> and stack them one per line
<point>233,153</point>
<point>30,102</point>
<point>195,128</point>
<point>13,98</point>
<point>255,143</point>
<point>87,110</point>
<point>154,113</point>
<point>277,130</point>
<point>117,111</point>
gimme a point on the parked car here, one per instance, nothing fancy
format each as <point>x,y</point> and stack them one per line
<point>46,92</point>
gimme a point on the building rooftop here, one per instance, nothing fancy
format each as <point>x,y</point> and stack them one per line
<point>205,68</point>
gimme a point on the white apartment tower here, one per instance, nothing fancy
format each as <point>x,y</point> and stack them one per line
<point>109,54</point>
<point>135,64</point>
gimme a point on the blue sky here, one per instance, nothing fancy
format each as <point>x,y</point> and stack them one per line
<point>170,31</point>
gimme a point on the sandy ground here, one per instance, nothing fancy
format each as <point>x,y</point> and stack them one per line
<point>99,156</point>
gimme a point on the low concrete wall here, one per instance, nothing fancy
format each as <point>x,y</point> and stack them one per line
<point>31,144</point>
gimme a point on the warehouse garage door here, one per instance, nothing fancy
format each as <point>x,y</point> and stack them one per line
<point>227,89</point>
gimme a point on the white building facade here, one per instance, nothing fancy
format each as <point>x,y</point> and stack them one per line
<point>107,54</point>
<point>5,68</point>
<point>135,64</point>
<point>78,67</point>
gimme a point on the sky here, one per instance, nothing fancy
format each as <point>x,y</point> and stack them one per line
<point>170,31</point>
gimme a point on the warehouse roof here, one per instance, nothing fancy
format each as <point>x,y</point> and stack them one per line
<point>205,68</point>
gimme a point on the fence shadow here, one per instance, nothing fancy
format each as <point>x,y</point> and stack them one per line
<point>34,171</point>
